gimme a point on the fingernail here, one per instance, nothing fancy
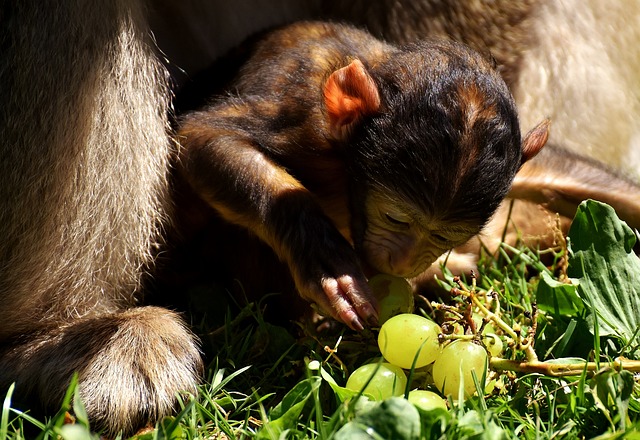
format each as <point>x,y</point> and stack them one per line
<point>356,324</point>
<point>371,314</point>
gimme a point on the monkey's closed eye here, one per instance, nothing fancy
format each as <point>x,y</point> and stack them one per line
<point>439,238</point>
<point>397,222</point>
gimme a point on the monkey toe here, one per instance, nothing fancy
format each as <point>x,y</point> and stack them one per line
<point>131,366</point>
<point>134,379</point>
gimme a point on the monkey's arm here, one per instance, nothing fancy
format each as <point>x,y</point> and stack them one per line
<point>560,180</point>
<point>247,188</point>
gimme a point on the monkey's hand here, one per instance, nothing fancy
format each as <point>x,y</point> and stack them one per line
<point>325,267</point>
<point>248,188</point>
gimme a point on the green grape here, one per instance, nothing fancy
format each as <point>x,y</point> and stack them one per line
<point>493,343</point>
<point>426,400</point>
<point>389,380</point>
<point>403,335</point>
<point>394,295</point>
<point>455,363</point>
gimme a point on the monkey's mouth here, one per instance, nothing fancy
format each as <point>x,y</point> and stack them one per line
<point>413,273</point>
<point>383,262</point>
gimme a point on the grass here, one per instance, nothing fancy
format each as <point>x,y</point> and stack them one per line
<point>269,381</point>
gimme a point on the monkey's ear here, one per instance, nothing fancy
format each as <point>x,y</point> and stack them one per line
<point>349,94</point>
<point>535,140</point>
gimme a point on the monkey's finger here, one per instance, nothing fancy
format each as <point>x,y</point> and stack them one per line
<point>339,305</point>
<point>318,296</point>
<point>360,296</point>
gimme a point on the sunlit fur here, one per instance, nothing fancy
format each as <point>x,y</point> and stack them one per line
<point>589,85</point>
<point>85,160</point>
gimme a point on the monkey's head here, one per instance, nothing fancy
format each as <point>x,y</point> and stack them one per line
<point>433,146</point>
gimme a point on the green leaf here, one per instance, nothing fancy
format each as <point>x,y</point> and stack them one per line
<point>393,418</point>
<point>4,417</point>
<point>558,298</point>
<point>79,410</point>
<point>611,391</point>
<point>170,428</point>
<point>566,361</point>
<point>273,340</point>
<point>285,415</point>
<point>479,426</point>
<point>601,257</point>
<point>434,422</point>
<point>342,393</point>
<point>76,432</point>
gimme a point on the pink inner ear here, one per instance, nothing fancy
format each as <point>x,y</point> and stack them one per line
<point>535,140</point>
<point>349,94</point>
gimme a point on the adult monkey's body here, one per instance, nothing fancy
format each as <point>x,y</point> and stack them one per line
<point>85,156</point>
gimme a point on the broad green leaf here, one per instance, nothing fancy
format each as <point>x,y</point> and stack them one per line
<point>79,410</point>
<point>556,297</point>
<point>611,391</point>
<point>342,393</point>
<point>566,361</point>
<point>481,426</point>
<point>434,423</point>
<point>601,257</point>
<point>76,432</point>
<point>393,418</point>
<point>285,415</point>
<point>170,428</point>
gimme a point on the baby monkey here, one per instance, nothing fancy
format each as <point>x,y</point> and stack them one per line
<point>347,155</point>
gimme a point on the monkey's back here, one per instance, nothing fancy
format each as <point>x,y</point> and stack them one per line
<point>296,59</point>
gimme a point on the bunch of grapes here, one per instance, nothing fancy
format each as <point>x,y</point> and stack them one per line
<point>453,357</point>
<point>410,342</point>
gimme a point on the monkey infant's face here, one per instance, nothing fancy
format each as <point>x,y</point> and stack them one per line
<point>402,240</point>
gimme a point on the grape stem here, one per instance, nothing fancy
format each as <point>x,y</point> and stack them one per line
<point>532,364</point>
<point>333,353</point>
<point>561,370</point>
<point>523,344</point>
<point>444,337</point>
